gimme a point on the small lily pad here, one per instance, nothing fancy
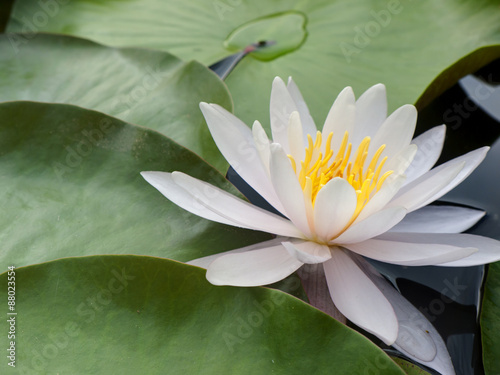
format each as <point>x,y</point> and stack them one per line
<point>282,33</point>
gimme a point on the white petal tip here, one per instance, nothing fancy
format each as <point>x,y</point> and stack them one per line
<point>204,105</point>
<point>278,81</point>
<point>409,107</point>
<point>294,116</point>
<point>153,175</point>
<point>347,90</point>
<point>389,338</point>
<point>389,341</point>
<point>379,87</point>
<point>214,277</point>
<point>276,147</point>
<point>440,131</point>
<point>308,252</point>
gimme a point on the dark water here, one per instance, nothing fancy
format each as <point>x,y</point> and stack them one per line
<point>450,297</point>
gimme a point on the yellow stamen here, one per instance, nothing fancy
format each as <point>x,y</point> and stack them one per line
<point>319,167</point>
<point>292,160</point>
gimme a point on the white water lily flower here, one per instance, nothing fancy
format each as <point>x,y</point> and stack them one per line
<point>340,191</point>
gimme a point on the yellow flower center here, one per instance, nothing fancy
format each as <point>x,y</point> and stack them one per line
<point>318,168</point>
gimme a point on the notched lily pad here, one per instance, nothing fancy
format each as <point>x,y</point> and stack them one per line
<point>357,43</point>
<point>144,315</point>
<point>70,186</point>
<point>149,88</point>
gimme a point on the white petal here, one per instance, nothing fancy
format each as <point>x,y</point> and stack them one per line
<point>488,248</point>
<point>305,116</point>
<point>296,138</point>
<point>355,295</point>
<point>374,225</point>
<point>389,189</point>
<point>471,160</point>
<point>341,117</point>
<point>400,162</point>
<point>235,141</point>
<point>281,107</point>
<point>396,132</point>
<point>417,338</point>
<point>407,253</point>
<point>206,261</point>
<point>262,144</point>
<point>209,202</point>
<point>288,189</point>
<point>335,204</point>
<point>253,268</point>
<point>242,213</point>
<point>439,219</point>
<point>430,145</point>
<point>371,112</point>
<point>420,192</point>
<point>165,184</point>
<point>308,252</point>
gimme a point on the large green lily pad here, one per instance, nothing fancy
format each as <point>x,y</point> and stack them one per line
<point>144,315</point>
<point>402,43</point>
<point>409,368</point>
<point>70,186</point>
<point>140,86</point>
<point>490,321</point>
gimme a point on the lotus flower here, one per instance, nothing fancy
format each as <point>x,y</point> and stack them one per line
<point>357,188</point>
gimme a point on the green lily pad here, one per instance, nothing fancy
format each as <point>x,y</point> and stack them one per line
<point>144,315</point>
<point>349,43</point>
<point>70,186</point>
<point>408,367</point>
<point>140,86</point>
<point>490,321</point>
